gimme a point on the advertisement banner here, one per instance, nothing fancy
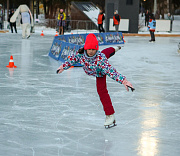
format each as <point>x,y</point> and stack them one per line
<point>61,38</point>
<point>67,50</point>
<point>100,38</point>
<point>56,49</point>
<point>65,45</point>
<point>113,38</point>
<point>81,39</point>
<point>78,39</point>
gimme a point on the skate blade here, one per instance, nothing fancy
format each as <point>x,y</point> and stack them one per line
<point>110,126</point>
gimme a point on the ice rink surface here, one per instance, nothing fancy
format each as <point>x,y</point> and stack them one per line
<point>45,114</point>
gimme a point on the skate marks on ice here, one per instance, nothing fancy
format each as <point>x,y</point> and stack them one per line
<point>78,128</point>
<point>50,124</point>
<point>43,113</point>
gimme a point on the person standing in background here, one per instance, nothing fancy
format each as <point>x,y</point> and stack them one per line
<point>100,21</point>
<point>147,14</point>
<point>152,27</point>
<point>12,24</point>
<point>116,20</point>
<point>26,19</point>
<point>169,17</point>
<point>61,21</point>
<point>1,17</point>
<point>68,19</point>
<point>157,15</point>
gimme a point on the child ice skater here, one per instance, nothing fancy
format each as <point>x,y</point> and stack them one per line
<point>96,63</point>
<point>152,27</point>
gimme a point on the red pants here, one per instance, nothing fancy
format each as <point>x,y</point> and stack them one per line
<point>102,87</point>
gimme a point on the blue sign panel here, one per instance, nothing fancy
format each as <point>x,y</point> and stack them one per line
<point>64,46</point>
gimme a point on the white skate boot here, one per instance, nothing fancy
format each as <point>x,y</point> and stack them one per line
<point>110,121</point>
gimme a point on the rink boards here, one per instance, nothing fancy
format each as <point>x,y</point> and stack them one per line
<point>65,45</point>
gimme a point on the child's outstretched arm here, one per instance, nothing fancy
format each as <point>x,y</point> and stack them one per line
<point>60,69</point>
<point>73,59</point>
<point>127,85</point>
<point>112,73</point>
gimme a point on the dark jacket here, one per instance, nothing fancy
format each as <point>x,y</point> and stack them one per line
<point>10,15</point>
<point>147,16</point>
<point>100,18</point>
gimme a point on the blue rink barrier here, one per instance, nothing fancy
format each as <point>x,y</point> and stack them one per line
<point>65,45</point>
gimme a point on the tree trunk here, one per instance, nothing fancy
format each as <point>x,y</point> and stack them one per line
<point>7,9</point>
<point>51,11</point>
<point>37,8</point>
<point>31,4</point>
<point>33,9</point>
<point>67,6</point>
<point>44,4</point>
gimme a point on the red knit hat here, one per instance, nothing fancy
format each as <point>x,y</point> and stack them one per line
<point>91,42</point>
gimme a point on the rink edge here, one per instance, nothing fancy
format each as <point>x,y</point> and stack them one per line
<point>4,31</point>
<point>130,34</point>
<point>157,35</point>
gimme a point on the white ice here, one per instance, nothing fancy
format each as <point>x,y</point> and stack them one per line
<point>45,114</point>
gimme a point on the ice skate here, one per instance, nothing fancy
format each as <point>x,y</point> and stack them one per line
<point>151,41</point>
<point>110,121</point>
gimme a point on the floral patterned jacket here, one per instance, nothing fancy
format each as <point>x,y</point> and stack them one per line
<point>97,65</point>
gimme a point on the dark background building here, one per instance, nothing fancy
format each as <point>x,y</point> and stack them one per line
<point>79,20</point>
<point>127,9</point>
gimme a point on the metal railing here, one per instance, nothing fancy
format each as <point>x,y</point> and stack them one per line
<point>70,24</point>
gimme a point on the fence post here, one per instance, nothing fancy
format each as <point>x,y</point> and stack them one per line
<point>86,27</point>
<point>77,26</point>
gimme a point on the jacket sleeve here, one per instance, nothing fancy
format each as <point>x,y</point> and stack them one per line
<point>113,20</point>
<point>117,17</point>
<point>64,16</point>
<point>149,25</point>
<point>103,18</point>
<point>31,18</point>
<point>72,60</point>
<point>107,69</point>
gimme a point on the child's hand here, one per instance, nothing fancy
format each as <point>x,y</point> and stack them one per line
<point>60,69</point>
<point>127,85</point>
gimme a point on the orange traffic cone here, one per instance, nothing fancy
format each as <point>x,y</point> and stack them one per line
<point>42,33</point>
<point>11,63</point>
<point>56,33</point>
<point>124,39</point>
